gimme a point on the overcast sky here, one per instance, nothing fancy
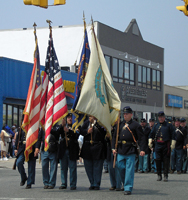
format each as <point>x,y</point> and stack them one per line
<point>159,21</point>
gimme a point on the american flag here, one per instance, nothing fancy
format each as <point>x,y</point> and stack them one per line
<point>30,123</point>
<point>53,101</point>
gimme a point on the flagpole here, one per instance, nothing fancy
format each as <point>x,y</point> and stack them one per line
<point>36,41</point>
<point>95,39</point>
<point>50,27</point>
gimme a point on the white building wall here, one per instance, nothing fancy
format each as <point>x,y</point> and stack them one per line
<point>19,44</point>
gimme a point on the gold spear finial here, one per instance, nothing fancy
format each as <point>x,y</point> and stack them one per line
<point>49,22</point>
<point>34,25</point>
<point>84,21</point>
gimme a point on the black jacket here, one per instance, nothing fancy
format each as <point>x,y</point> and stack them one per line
<point>147,131</point>
<point>20,145</point>
<point>180,137</point>
<point>54,138</point>
<point>164,130</point>
<point>109,144</point>
<point>124,135</point>
<point>97,150</point>
<point>72,140</point>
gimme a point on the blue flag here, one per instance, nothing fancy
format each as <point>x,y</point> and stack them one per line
<point>77,119</point>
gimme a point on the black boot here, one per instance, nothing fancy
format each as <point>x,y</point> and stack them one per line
<point>166,168</point>
<point>158,165</point>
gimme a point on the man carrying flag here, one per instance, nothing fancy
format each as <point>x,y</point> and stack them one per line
<point>101,102</point>
<point>26,139</point>
<point>53,108</point>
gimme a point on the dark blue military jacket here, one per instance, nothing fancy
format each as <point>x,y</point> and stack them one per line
<point>181,134</point>
<point>147,131</point>
<point>54,138</point>
<point>72,140</point>
<point>20,145</point>
<point>97,150</point>
<point>165,131</point>
<point>108,144</point>
<point>124,135</point>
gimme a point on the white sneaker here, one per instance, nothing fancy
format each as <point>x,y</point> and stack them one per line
<point>1,159</point>
<point>10,156</point>
<point>5,158</point>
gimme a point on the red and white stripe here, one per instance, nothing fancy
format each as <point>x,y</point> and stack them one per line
<point>32,112</point>
<point>55,106</point>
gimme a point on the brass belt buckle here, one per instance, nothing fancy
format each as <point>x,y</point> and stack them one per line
<point>24,142</point>
<point>91,141</point>
<point>123,142</point>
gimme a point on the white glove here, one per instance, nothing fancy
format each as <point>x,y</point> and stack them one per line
<point>150,143</point>
<point>173,144</point>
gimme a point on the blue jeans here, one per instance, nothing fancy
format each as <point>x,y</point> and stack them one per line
<point>176,159</point>
<point>94,171</point>
<point>115,178</point>
<point>125,164</point>
<point>153,164</point>
<point>66,163</point>
<point>31,169</point>
<point>105,165</point>
<point>184,161</point>
<point>143,163</point>
<point>49,177</point>
<point>136,168</point>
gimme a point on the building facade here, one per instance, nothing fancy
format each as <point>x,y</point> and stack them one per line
<point>176,102</point>
<point>136,66</point>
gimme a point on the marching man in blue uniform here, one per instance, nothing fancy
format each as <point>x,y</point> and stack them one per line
<point>19,152</point>
<point>163,134</point>
<point>129,133</point>
<point>177,153</point>
<point>93,151</point>
<point>68,153</point>
<point>145,160</point>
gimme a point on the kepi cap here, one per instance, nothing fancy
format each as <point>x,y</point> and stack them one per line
<point>182,120</point>
<point>127,109</point>
<point>160,114</point>
<point>151,120</point>
<point>143,120</point>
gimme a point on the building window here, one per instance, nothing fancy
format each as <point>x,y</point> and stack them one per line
<point>115,69</point>
<point>121,75</point>
<point>12,114</point>
<point>156,80</point>
<point>15,115</point>
<point>20,114</point>
<point>123,72</point>
<point>9,118</point>
<point>108,61</point>
<point>144,77</point>
<point>4,114</point>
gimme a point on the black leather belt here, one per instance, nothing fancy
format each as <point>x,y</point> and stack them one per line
<point>125,142</point>
<point>94,142</point>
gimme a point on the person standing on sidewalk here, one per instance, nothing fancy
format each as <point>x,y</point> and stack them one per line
<point>4,144</point>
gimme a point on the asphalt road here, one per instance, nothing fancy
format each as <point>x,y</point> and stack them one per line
<point>145,187</point>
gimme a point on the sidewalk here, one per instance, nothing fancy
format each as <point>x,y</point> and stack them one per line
<point>9,164</point>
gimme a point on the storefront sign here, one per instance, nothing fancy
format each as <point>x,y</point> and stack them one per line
<point>133,94</point>
<point>174,101</point>
<point>186,104</point>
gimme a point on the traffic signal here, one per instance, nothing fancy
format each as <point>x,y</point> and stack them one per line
<point>59,2</point>
<point>184,8</point>
<point>43,3</point>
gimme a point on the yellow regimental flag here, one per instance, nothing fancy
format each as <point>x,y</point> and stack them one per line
<point>98,96</point>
